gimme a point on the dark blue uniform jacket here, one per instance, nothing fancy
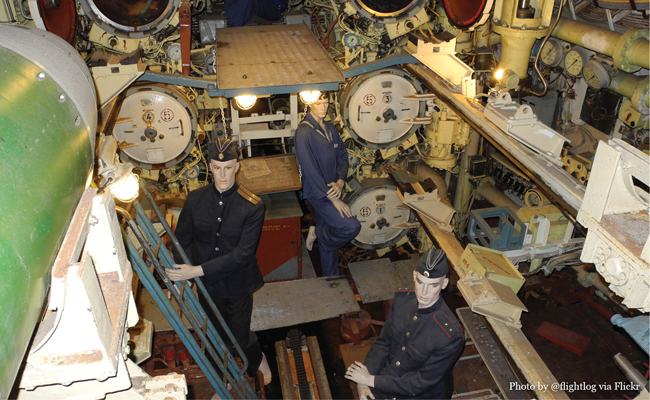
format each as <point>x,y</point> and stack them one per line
<point>321,155</point>
<point>220,231</point>
<point>415,353</point>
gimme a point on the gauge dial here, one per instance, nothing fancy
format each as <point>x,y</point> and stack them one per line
<point>575,60</point>
<point>596,74</point>
<point>552,53</point>
<point>351,41</point>
<point>174,51</point>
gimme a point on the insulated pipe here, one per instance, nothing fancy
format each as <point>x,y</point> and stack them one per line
<point>496,197</point>
<point>424,172</point>
<point>464,186</point>
<point>589,36</point>
<point>606,42</point>
<point>629,85</point>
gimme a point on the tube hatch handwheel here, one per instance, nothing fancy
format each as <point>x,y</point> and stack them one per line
<point>374,107</point>
<point>158,124</point>
<point>377,207</point>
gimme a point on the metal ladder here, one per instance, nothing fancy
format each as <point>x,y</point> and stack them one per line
<point>212,344</point>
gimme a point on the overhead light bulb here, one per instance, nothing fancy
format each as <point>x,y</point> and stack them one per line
<point>246,102</point>
<point>310,97</point>
<point>499,74</point>
<point>126,189</point>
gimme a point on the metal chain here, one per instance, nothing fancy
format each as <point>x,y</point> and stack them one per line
<point>223,118</point>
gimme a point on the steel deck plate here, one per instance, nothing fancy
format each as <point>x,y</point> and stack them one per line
<point>376,280</point>
<point>280,304</point>
<point>273,55</point>
<point>491,354</point>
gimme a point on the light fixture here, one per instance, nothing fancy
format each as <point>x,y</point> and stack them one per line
<point>127,188</point>
<point>309,97</point>
<point>245,102</point>
<point>507,78</point>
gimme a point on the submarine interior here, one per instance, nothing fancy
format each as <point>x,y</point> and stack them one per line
<point>512,134</point>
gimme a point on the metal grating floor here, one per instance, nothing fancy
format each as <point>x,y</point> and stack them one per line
<point>274,55</point>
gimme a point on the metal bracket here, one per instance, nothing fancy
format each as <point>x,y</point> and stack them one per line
<point>440,57</point>
<point>520,122</point>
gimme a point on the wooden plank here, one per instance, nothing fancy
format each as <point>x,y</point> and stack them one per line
<point>513,339</point>
<point>284,175</point>
<point>272,55</point>
<point>281,304</point>
<point>284,370</point>
<point>528,360</point>
<point>319,369</point>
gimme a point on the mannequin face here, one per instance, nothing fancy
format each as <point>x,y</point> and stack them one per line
<point>319,109</point>
<point>224,173</point>
<point>427,290</point>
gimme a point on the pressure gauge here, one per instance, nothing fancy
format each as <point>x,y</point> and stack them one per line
<point>575,60</point>
<point>597,74</point>
<point>351,41</point>
<point>174,52</point>
<point>552,52</point>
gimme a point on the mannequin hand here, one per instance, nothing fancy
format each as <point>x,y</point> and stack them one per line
<point>358,373</point>
<point>336,188</point>
<point>364,392</point>
<point>343,208</point>
<point>184,272</point>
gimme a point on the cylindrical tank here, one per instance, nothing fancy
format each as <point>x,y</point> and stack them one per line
<point>48,121</point>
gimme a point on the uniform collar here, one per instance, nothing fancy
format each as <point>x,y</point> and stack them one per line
<point>312,122</point>
<point>227,193</point>
<point>432,308</point>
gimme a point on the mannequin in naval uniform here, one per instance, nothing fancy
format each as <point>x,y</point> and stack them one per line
<point>323,163</point>
<point>219,228</point>
<point>415,353</point>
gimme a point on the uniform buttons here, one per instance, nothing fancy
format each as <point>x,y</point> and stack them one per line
<point>216,249</point>
<point>221,203</point>
<point>397,363</point>
<point>408,333</point>
<point>415,318</point>
<point>218,234</point>
<point>219,219</point>
<point>403,348</point>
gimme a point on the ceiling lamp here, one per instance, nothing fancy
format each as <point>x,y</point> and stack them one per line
<point>126,189</point>
<point>245,102</point>
<point>309,97</point>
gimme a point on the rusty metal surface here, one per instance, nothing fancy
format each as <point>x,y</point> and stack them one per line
<point>116,295</point>
<point>281,304</point>
<point>491,353</point>
<point>620,226</point>
<point>377,279</point>
<point>70,250</point>
<point>272,55</point>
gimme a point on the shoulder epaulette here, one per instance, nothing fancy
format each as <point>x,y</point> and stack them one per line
<point>248,195</point>
<point>445,323</point>
<point>403,290</point>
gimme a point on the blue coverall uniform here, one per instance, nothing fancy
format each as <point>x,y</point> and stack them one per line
<point>415,353</point>
<point>220,232</point>
<point>323,159</point>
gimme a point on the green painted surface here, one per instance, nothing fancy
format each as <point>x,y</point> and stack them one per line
<point>45,159</point>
